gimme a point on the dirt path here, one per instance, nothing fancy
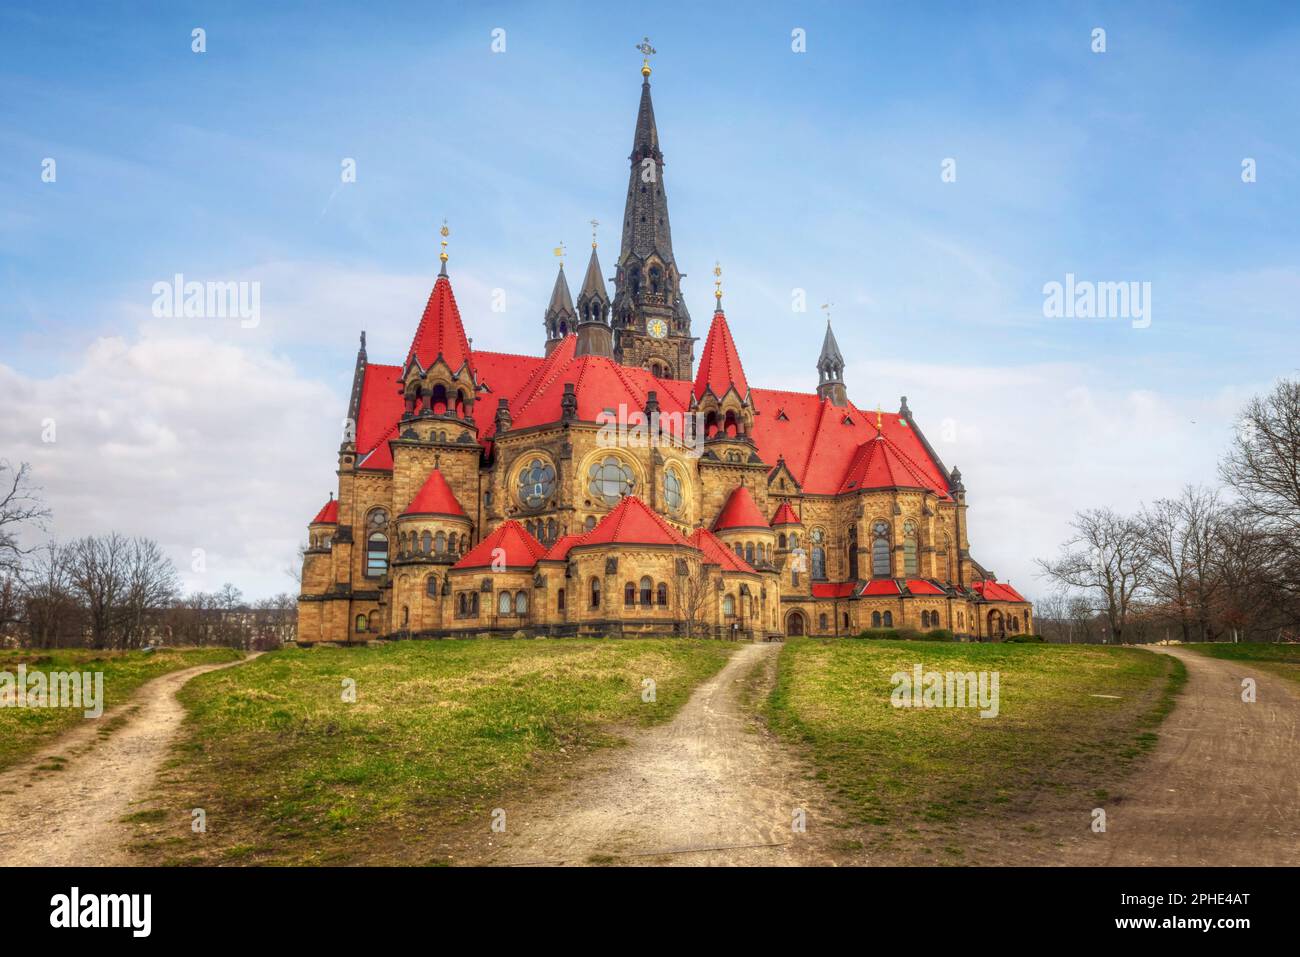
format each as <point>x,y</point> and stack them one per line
<point>712,786</point>
<point>1222,786</point>
<point>73,816</point>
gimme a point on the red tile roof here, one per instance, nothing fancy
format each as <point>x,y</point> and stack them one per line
<point>880,588</point>
<point>440,332</point>
<point>717,553</point>
<point>559,551</point>
<point>434,498</point>
<point>997,591</point>
<point>879,463</point>
<point>720,366</point>
<point>833,589</point>
<point>632,522</point>
<point>919,586</point>
<point>740,512</point>
<point>518,549</point>
<point>785,515</point>
<point>329,513</point>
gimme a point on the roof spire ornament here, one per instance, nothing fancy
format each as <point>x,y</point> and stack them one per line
<point>647,51</point>
<point>879,419</point>
<point>594,224</point>
<point>717,284</point>
<point>559,253</point>
<point>442,256</point>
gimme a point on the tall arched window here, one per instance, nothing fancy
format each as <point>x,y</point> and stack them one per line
<point>595,593</point>
<point>909,548</point>
<point>376,543</point>
<point>880,550</point>
<point>875,619</point>
<point>729,606</point>
<point>794,539</point>
<point>431,587</point>
<point>361,622</point>
<point>889,619</point>
<point>780,540</point>
<point>551,530</point>
<point>749,552</point>
<point>818,554</point>
<point>822,623</point>
<point>941,561</point>
<point>629,594</point>
<point>853,552</point>
<point>461,604</point>
<point>473,603</point>
<point>672,491</point>
<point>521,603</point>
<point>440,543</point>
<point>503,603</point>
<point>647,590</point>
<point>661,594</point>
<point>559,599</point>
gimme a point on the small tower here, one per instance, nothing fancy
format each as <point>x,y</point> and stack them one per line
<point>595,338</point>
<point>830,370</point>
<point>560,318</point>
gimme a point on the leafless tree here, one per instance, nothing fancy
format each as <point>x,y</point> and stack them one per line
<point>53,616</point>
<point>1106,559</point>
<point>692,595</point>
<point>149,585</point>
<point>1182,538</point>
<point>19,505</point>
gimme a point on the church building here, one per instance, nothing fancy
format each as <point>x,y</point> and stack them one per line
<point>613,487</point>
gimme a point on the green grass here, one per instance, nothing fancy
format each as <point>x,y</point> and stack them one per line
<point>900,768</point>
<point>1278,659</point>
<point>24,731</point>
<point>440,732</point>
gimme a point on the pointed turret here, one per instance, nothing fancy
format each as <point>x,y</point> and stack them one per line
<point>650,322</point>
<point>594,336</point>
<point>830,370</point>
<point>354,400</point>
<point>560,317</point>
<point>438,375</point>
<point>720,367</point>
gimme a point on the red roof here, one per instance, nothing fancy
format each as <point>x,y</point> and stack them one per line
<point>720,362</point>
<point>919,586</point>
<point>997,591</point>
<point>785,515</point>
<point>740,512</point>
<point>559,551</point>
<point>518,549</point>
<point>879,463</point>
<point>329,513</point>
<point>880,588</point>
<point>717,553</point>
<point>833,589</point>
<point>632,522</point>
<point>434,498</point>
<point>440,332</point>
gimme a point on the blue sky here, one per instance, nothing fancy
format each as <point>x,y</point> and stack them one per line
<point>817,171</point>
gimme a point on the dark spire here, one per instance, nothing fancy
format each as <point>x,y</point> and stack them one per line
<point>645,214</point>
<point>830,370</point>
<point>595,338</point>
<point>354,400</point>
<point>560,318</point>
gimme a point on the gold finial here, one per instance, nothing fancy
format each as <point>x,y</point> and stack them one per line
<point>444,232</point>
<point>559,251</point>
<point>647,51</point>
<point>594,224</point>
<point>879,425</point>
<point>717,283</point>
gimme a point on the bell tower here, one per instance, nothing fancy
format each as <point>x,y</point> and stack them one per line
<point>650,322</point>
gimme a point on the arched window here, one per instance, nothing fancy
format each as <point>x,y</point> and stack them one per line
<point>749,552</point>
<point>461,604</point>
<point>941,561</point>
<point>374,621</point>
<point>794,577</point>
<point>818,554</point>
<point>846,620</point>
<point>889,619</point>
<point>595,593</point>
<point>647,590</point>
<point>440,543</point>
<point>452,547</point>
<point>610,480</point>
<point>875,619</point>
<point>473,603</point>
<point>909,548</point>
<point>661,594</point>
<point>629,594</point>
<point>536,483</point>
<point>821,622</point>
<point>521,603</point>
<point>925,619</point>
<point>551,529</point>
<point>853,552</point>
<point>406,616</point>
<point>794,539</point>
<point>729,606</point>
<point>431,586</point>
<point>376,555</point>
<point>672,491</point>
<point>559,599</point>
<point>780,540</point>
<point>361,622</point>
<point>503,603</point>
<point>880,550</point>
<point>589,524</point>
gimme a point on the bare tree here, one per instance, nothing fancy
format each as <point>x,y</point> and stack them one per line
<point>149,585</point>
<point>1182,538</point>
<point>1263,462</point>
<point>692,595</point>
<point>1107,560</point>
<point>98,572</point>
<point>19,505</point>
<point>54,617</point>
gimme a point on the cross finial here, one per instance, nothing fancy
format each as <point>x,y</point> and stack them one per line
<point>647,51</point>
<point>444,232</point>
<point>559,251</point>
<point>594,224</point>
<point>717,284</point>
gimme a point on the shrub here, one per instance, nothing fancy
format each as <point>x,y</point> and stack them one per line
<point>893,634</point>
<point>937,634</point>
<point>1024,639</point>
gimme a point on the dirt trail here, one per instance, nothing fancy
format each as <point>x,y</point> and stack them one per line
<point>72,816</point>
<point>1222,786</point>
<point>711,787</point>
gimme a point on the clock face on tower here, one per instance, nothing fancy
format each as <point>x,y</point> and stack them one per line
<point>657,328</point>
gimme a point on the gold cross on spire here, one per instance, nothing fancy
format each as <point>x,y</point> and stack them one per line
<point>717,283</point>
<point>647,51</point>
<point>444,232</point>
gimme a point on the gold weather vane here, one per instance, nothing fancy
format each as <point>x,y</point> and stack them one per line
<point>647,51</point>
<point>717,283</point>
<point>444,232</point>
<point>559,251</point>
<point>594,224</point>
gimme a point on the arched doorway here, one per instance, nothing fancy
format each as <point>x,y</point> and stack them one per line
<point>997,626</point>
<point>794,623</point>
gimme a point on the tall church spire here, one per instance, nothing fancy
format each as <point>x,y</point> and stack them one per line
<point>830,370</point>
<point>594,336</point>
<point>652,327</point>
<point>560,317</point>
